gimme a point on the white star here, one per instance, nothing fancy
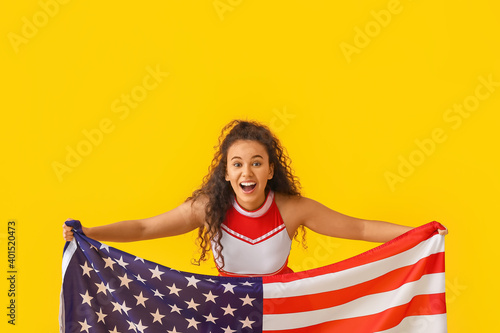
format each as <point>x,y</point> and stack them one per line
<point>157,316</point>
<point>124,280</point>
<point>192,281</point>
<point>173,331</point>
<point>229,310</point>
<point>191,304</point>
<point>137,258</point>
<point>101,316</point>
<point>192,323</point>
<point>174,290</point>
<point>85,326</point>
<point>211,318</point>
<point>138,277</point>
<point>157,293</point>
<point>131,326</point>
<point>156,273</point>
<point>141,299</point>
<point>109,288</point>
<point>121,262</point>
<point>113,331</point>
<point>104,246</point>
<point>86,298</point>
<point>125,308</point>
<point>175,309</point>
<point>246,283</point>
<point>210,280</point>
<point>247,300</point>
<point>247,322</point>
<point>228,287</point>
<point>86,269</point>
<point>140,327</point>
<point>117,307</point>
<point>102,288</point>
<point>109,262</point>
<point>228,330</point>
<point>210,297</point>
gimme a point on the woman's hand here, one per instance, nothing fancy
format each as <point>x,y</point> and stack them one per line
<point>67,232</point>
<point>443,232</point>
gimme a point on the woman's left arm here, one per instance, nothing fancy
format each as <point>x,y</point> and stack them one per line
<point>326,221</point>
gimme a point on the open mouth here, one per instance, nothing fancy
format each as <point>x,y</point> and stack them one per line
<point>248,187</point>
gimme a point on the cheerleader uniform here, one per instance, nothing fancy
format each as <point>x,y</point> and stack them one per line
<point>255,243</point>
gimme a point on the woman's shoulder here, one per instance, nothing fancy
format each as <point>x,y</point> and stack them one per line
<point>283,199</point>
<point>291,207</point>
<point>197,205</point>
<point>291,201</point>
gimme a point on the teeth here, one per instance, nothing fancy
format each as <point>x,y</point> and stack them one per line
<point>247,183</point>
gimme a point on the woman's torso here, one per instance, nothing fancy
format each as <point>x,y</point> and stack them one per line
<point>255,242</point>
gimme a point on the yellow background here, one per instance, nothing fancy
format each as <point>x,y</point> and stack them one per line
<point>345,120</point>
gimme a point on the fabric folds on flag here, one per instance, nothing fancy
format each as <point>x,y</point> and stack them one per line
<point>398,286</point>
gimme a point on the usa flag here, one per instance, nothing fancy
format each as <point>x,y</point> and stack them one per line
<point>396,287</point>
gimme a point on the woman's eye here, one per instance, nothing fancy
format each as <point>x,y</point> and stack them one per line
<point>256,163</point>
<point>237,164</point>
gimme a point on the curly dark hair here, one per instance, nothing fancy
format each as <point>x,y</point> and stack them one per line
<point>220,193</point>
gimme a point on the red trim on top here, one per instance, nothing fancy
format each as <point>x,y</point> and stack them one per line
<point>251,241</point>
<point>266,222</point>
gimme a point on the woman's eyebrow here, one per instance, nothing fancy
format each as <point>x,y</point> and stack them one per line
<point>254,156</point>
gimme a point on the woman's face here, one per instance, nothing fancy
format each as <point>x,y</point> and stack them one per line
<point>248,170</point>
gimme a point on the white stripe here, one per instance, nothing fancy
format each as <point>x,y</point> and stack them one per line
<point>353,276</point>
<point>68,254</point>
<point>421,324</point>
<point>363,306</point>
<point>248,239</point>
<point>259,212</point>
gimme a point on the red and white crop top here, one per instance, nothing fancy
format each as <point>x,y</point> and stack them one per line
<point>254,242</point>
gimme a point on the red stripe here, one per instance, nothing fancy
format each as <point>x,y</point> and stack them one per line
<point>418,306</point>
<point>392,280</point>
<point>399,244</point>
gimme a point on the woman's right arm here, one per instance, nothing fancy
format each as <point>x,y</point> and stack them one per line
<point>182,219</point>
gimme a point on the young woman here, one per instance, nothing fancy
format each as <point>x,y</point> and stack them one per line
<point>248,209</point>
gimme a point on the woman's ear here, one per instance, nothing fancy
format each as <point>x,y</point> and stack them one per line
<point>271,171</point>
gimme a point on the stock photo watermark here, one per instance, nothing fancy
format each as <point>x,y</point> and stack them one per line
<point>32,25</point>
<point>363,36</point>
<point>122,107</point>
<point>324,250</point>
<point>454,116</point>
<point>453,290</point>
<point>223,6</point>
<point>12,271</point>
<point>281,119</point>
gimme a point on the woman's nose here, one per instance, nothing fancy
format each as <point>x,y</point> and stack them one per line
<point>247,170</point>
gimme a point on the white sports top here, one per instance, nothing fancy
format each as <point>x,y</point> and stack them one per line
<point>254,242</point>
